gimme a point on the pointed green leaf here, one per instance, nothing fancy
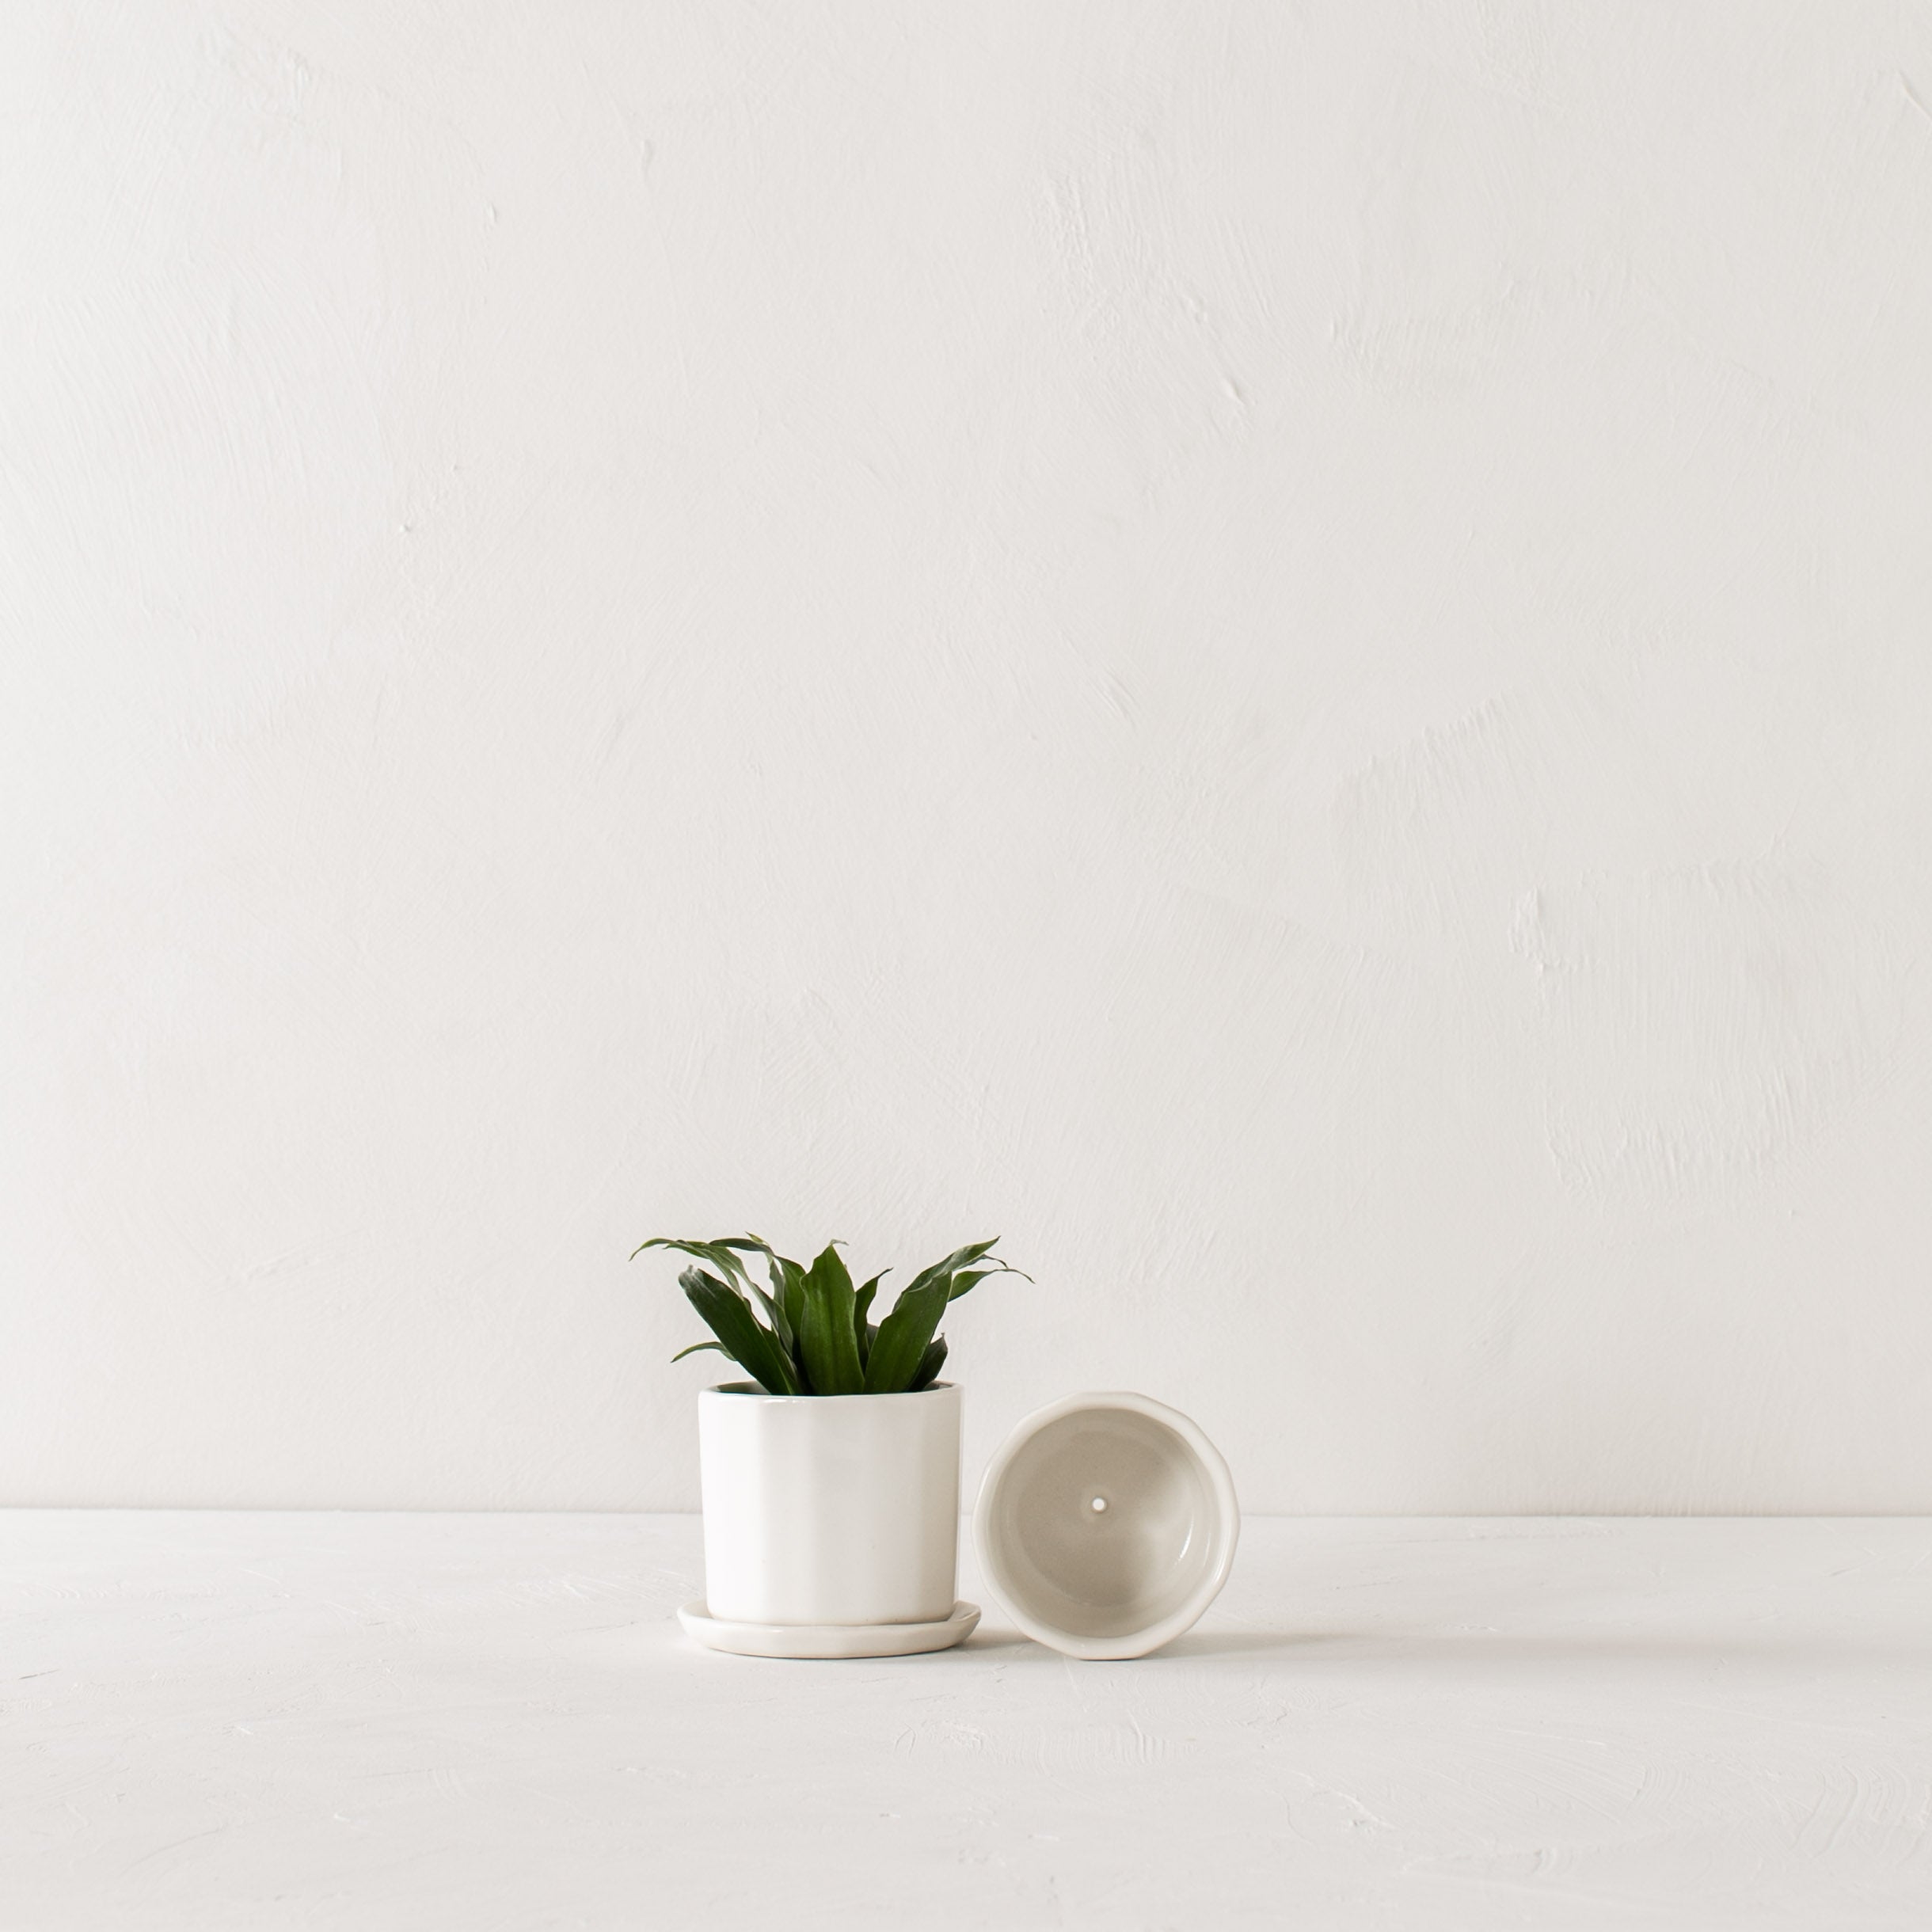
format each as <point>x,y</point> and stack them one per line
<point>828,1340</point>
<point>775,1315</point>
<point>963,1282</point>
<point>903,1337</point>
<point>723,1254</point>
<point>746,1341</point>
<point>819,1340</point>
<point>756,1244</point>
<point>959,1258</point>
<point>788,1283</point>
<point>719,1253</point>
<point>860,1327</point>
<point>930,1363</point>
<point>699,1347</point>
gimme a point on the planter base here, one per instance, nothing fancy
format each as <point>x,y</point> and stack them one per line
<point>828,1640</point>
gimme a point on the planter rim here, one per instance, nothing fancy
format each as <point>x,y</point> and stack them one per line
<point>751,1390</point>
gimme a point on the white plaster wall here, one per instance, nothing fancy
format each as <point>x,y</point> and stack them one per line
<point>1281,652</point>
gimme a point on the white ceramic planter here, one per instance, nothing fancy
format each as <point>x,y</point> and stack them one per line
<point>830,1510</point>
<point>1106,1524</point>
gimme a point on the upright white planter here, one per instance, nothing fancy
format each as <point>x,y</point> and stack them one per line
<point>831,1523</point>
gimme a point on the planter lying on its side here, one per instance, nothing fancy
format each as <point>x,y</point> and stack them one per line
<point>1106,1524</point>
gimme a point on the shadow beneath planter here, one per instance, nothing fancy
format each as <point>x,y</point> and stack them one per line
<point>1479,1650</point>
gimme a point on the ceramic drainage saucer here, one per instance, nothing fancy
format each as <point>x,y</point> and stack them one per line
<point>828,1640</point>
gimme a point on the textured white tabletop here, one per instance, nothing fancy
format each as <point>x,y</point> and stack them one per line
<point>492,1723</point>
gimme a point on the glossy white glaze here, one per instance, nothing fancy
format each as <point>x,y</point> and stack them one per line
<point>837,1509</point>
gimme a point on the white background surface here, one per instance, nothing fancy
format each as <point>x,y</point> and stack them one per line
<point>377,1722</point>
<point>1279,652</point>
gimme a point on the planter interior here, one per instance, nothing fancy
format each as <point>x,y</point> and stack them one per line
<point>1107,1524</point>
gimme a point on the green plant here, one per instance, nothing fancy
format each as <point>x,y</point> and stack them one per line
<point>814,1338</point>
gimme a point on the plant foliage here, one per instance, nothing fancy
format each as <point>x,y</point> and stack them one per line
<point>810,1334</point>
